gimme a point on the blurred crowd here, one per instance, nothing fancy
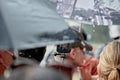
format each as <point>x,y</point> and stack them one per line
<point>60,62</point>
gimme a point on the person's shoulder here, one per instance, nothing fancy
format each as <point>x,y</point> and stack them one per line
<point>91,60</point>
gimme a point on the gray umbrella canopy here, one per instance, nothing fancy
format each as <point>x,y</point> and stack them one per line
<point>31,23</point>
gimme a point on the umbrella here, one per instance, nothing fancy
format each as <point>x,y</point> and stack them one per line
<point>26,24</point>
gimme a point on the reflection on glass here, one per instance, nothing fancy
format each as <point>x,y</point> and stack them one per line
<point>97,12</point>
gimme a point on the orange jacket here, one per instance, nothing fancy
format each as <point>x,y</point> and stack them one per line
<point>6,59</point>
<point>91,63</point>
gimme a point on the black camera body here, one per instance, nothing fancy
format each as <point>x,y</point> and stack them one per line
<point>64,48</point>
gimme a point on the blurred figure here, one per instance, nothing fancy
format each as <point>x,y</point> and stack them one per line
<point>67,57</point>
<point>19,62</point>
<point>109,62</point>
<point>6,60</point>
<point>90,62</point>
<point>36,73</point>
<point>25,58</point>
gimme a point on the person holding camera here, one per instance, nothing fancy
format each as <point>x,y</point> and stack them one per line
<point>67,58</point>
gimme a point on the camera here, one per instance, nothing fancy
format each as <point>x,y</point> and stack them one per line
<point>64,48</point>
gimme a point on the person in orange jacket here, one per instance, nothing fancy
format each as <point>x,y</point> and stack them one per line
<point>6,60</point>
